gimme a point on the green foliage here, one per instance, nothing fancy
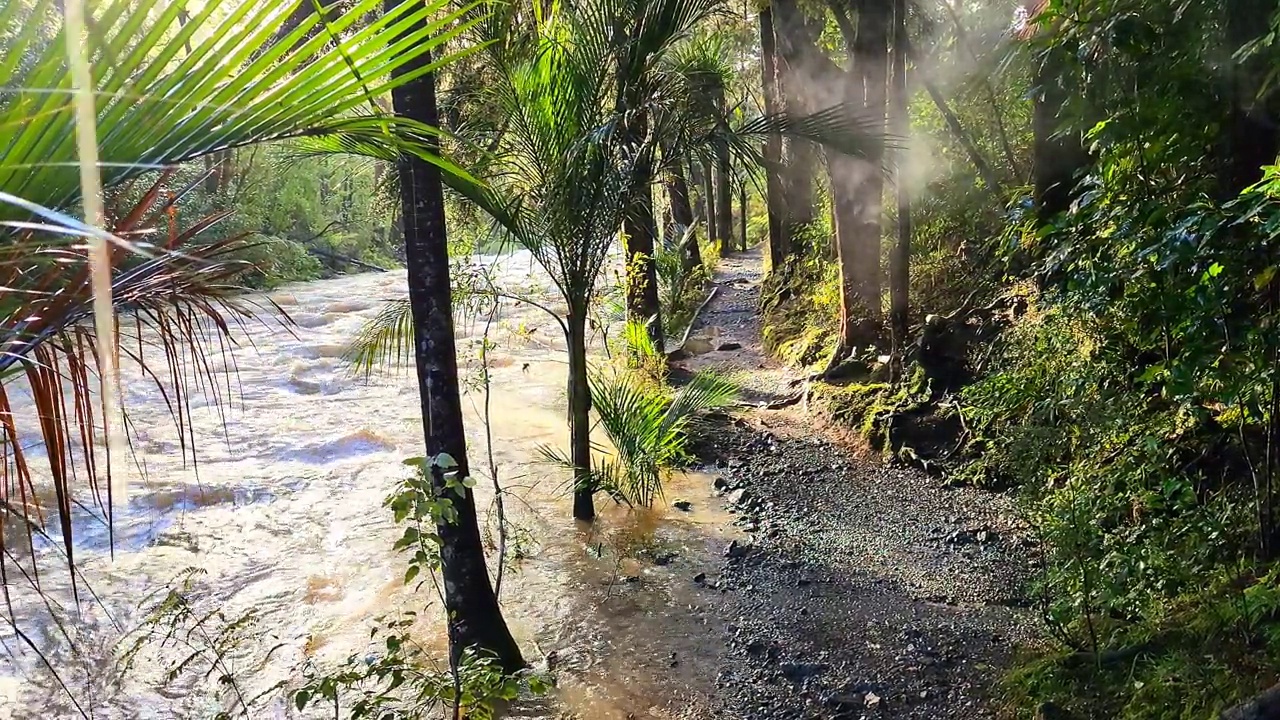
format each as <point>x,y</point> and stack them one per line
<point>800,311</point>
<point>401,681</point>
<point>647,426</point>
<point>169,85</point>
<point>423,502</point>
<point>680,289</point>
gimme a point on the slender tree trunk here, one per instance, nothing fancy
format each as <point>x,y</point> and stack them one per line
<point>724,201</point>
<point>580,417</point>
<point>779,244</point>
<point>682,214</point>
<point>697,195</point>
<point>704,175</point>
<point>641,233</point>
<point>474,617</point>
<point>899,264</point>
<point>724,180</point>
<point>980,163</point>
<point>642,273</point>
<point>742,219</point>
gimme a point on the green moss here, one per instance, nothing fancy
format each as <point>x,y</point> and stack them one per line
<point>799,311</point>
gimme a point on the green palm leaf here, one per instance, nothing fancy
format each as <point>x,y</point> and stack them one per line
<point>160,104</point>
<point>648,428</point>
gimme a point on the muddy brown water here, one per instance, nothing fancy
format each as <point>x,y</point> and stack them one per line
<point>282,515</point>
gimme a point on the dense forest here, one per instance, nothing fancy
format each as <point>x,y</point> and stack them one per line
<point>1021,251</point>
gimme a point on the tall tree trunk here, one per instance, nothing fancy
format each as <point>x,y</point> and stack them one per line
<point>742,219</point>
<point>642,273</point>
<point>800,158</point>
<point>724,201</point>
<point>872,57</point>
<point>641,232</point>
<point>638,224</point>
<point>775,202</point>
<point>899,264</point>
<point>697,194</point>
<point>1252,135</point>
<point>857,184</point>
<point>724,179</point>
<point>703,176</point>
<point>474,618</point>
<point>682,214</point>
<point>580,416</point>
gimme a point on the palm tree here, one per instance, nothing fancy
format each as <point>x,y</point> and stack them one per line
<point>647,427</point>
<point>474,619</point>
<point>168,88</point>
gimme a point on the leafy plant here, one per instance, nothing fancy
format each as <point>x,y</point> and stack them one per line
<point>647,427</point>
<point>202,643</point>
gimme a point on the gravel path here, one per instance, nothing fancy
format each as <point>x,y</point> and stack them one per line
<point>864,591</point>
<point>726,335</point>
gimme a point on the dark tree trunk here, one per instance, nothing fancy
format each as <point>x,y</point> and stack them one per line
<point>724,201</point>
<point>474,618</point>
<point>900,261</point>
<point>580,417</point>
<point>724,180</point>
<point>1057,156</point>
<point>696,195</point>
<point>872,57</point>
<point>682,214</point>
<point>638,224</point>
<point>1252,135</point>
<point>857,184</point>
<point>779,244</point>
<point>642,272</point>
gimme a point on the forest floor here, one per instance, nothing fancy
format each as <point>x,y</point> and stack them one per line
<point>863,590</point>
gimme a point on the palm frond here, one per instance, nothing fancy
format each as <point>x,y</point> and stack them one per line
<point>177,303</point>
<point>383,342</point>
<point>159,104</point>
<point>648,428</point>
<point>167,88</point>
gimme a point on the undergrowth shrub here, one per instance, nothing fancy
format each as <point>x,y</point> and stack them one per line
<point>1144,517</point>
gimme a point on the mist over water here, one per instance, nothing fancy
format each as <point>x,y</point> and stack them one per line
<point>282,514</point>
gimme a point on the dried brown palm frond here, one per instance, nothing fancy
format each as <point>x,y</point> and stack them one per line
<point>177,306</point>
